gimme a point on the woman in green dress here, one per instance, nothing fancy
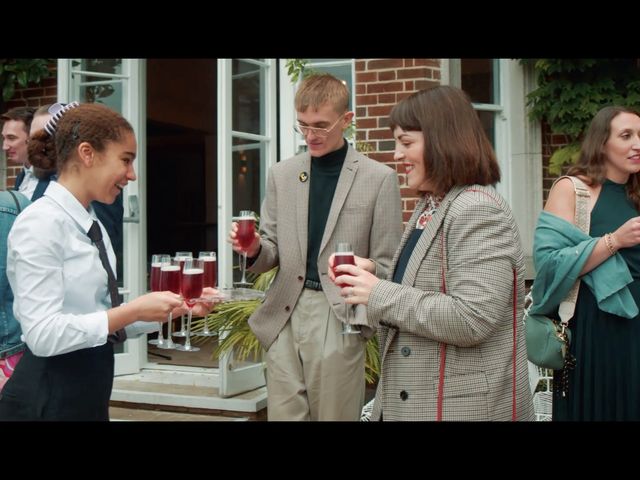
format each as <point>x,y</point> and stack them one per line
<point>604,384</point>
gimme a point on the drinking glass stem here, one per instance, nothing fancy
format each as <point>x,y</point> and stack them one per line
<point>244,267</point>
<point>169,342</point>
<point>160,335</point>
<point>187,343</point>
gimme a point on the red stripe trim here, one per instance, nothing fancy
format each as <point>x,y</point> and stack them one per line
<point>514,415</point>
<point>443,346</point>
<point>443,360</point>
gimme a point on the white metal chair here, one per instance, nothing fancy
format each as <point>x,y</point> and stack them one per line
<point>543,398</point>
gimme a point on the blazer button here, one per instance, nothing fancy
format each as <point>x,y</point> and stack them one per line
<point>405,351</point>
<point>404,395</point>
<point>300,278</point>
<point>287,308</point>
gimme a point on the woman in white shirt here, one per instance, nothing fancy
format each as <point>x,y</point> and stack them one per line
<point>62,296</point>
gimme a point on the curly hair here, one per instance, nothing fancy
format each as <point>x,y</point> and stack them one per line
<point>89,122</point>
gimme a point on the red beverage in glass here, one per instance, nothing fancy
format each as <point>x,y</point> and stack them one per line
<point>155,277</point>
<point>343,258</point>
<point>210,271</point>
<point>192,283</point>
<point>170,278</point>
<point>246,231</point>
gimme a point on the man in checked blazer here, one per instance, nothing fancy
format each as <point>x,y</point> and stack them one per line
<point>451,334</point>
<point>327,195</point>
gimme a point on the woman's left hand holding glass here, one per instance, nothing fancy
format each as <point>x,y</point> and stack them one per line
<point>358,283</point>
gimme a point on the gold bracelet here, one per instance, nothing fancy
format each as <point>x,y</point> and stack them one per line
<point>608,240</point>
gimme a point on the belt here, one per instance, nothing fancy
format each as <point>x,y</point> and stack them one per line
<point>312,285</point>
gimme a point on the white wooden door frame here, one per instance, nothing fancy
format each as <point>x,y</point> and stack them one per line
<point>133,108</point>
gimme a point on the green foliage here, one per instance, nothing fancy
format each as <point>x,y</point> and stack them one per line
<point>297,69</point>
<point>563,156</point>
<point>21,72</point>
<point>233,317</point>
<point>571,91</point>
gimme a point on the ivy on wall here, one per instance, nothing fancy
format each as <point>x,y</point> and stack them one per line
<point>571,91</point>
<point>20,72</point>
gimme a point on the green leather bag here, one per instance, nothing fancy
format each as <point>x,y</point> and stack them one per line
<point>547,344</point>
<point>548,340</point>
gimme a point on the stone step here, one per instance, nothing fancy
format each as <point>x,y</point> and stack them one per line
<point>121,414</point>
<point>189,389</point>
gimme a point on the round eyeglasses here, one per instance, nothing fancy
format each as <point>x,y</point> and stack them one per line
<point>304,130</point>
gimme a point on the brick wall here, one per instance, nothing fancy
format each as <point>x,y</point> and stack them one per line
<point>380,84</point>
<point>550,143</point>
<point>33,96</point>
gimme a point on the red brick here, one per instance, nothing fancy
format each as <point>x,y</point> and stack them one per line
<point>382,157</point>
<point>386,63</point>
<point>387,75</point>
<point>384,87</point>
<point>365,77</point>
<point>366,99</point>
<point>360,65</point>
<point>426,62</point>
<point>387,98</point>
<point>414,73</point>
<point>422,84</point>
<point>409,86</point>
<point>380,110</point>
<point>361,111</point>
<point>367,122</point>
<point>408,62</point>
<point>361,89</point>
<point>384,134</point>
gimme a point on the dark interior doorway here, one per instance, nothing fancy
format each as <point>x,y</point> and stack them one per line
<point>181,156</point>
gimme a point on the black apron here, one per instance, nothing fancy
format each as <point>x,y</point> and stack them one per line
<point>73,386</point>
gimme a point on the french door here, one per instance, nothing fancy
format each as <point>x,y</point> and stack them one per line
<point>246,149</point>
<point>118,84</point>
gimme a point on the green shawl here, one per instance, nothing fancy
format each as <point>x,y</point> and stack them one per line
<point>560,251</point>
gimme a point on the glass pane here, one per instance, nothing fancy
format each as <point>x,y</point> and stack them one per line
<point>247,109</point>
<point>477,78</point>
<point>248,159</point>
<point>487,119</point>
<point>102,65</point>
<point>343,72</point>
<point>107,93</point>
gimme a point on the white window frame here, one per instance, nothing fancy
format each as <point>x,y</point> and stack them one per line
<point>517,143</point>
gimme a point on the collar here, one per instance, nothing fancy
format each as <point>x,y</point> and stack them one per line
<point>70,204</point>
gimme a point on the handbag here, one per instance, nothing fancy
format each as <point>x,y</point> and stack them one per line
<point>547,339</point>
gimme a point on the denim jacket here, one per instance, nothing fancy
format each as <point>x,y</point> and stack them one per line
<point>10,332</point>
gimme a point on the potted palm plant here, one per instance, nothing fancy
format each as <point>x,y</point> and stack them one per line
<point>232,317</point>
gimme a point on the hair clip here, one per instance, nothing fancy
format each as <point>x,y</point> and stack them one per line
<point>57,110</point>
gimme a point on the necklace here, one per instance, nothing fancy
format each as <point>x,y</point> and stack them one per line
<point>432,202</point>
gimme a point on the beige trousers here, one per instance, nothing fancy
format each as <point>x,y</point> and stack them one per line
<point>313,371</point>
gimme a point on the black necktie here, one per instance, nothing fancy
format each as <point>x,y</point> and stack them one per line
<point>19,179</point>
<point>95,234</point>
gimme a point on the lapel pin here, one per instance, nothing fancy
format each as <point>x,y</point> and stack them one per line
<point>303,177</point>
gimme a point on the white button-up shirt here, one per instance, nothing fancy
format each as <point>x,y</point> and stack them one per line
<point>60,286</point>
<point>29,183</point>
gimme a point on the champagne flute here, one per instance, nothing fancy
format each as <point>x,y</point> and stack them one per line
<point>191,288</point>
<point>210,279</point>
<point>245,235</point>
<point>344,256</point>
<point>182,256</point>
<point>170,280</point>
<point>157,261</point>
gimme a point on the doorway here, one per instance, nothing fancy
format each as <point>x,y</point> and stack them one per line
<point>181,168</point>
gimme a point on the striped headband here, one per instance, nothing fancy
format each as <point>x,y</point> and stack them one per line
<point>57,110</point>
